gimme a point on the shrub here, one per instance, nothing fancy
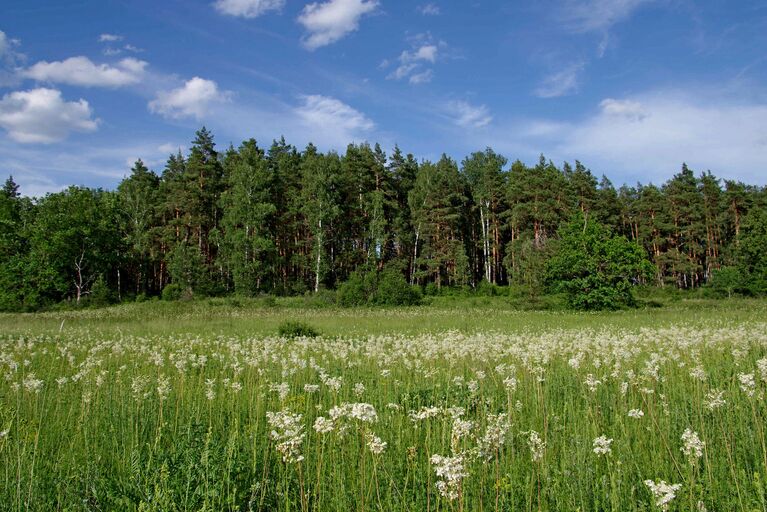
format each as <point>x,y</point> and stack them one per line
<point>297,329</point>
<point>393,290</point>
<point>595,269</point>
<point>173,291</point>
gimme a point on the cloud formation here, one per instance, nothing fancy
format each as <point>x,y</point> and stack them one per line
<point>467,115</point>
<point>332,120</point>
<point>411,62</point>
<point>597,15</point>
<point>560,83</point>
<point>193,99</point>
<point>248,8</point>
<point>82,71</point>
<point>330,21</point>
<point>43,116</point>
<point>430,9</point>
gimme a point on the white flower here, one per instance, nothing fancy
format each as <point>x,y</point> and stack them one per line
<point>663,492</point>
<point>537,446</point>
<point>693,446</point>
<point>592,382</point>
<point>287,431</point>
<point>359,389</point>
<point>323,425</point>
<point>451,472</point>
<point>747,383</point>
<point>376,445</point>
<point>282,389</point>
<point>636,413</point>
<point>714,399</point>
<point>32,383</point>
<point>602,445</point>
<point>311,388</point>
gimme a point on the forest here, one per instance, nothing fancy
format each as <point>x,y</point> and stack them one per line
<point>252,220</point>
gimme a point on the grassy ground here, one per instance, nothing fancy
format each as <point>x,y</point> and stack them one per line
<point>253,317</point>
<point>461,405</point>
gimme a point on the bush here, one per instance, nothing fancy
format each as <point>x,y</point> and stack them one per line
<point>393,290</point>
<point>100,294</point>
<point>595,269</point>
<point>297,329</point>
<point>726,281</point>
<point>353,291</point>
<point>385,288</point>
<point>173,291</point>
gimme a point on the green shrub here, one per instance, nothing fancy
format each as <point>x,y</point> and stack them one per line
<point>358,289</point>
<point>297,329</point>
<point>393,290</point>
<point>173,291</point>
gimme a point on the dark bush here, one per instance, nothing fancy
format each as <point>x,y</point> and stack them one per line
<point>297,329</point>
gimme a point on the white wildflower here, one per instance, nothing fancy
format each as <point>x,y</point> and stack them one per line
<point>537,446</point>
<point>693,446</point>
<point>451,472</point>
<point>664,493</point>
<point>287,431</point>
<point>601,445</point>
<point>636,413</point>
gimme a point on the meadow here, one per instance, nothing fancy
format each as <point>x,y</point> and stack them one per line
<point>461,405</point>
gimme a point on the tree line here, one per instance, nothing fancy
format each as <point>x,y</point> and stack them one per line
<point>251,220</point>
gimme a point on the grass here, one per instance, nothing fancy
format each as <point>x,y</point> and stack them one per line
<point>201,406</point>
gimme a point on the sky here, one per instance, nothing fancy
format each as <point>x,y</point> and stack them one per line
<point>631,88</point>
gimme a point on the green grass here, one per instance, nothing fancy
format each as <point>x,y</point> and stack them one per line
<point>163,406</point>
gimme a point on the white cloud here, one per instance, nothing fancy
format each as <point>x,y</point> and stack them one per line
<point>332,120</point>
<point>42,116</point>
<point>623,108</point>
<point>9,59</point>
<point>82,71</point>
<point>193,99</point>
<point>430,9</point>
<point>109,38</point>
<point>421,78</point>
<point>410,62</point>
<point>648,136</point>
<point>248,8</point>
<point>467,115</point>
<point>561,83</point>
<point>597,15</point>
<point>332,20</point>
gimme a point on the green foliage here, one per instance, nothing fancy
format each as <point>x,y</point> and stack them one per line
<point>385,288</point>
<point>595,269</point>
<point>172,291</point>
<point>752,253</point>
<point>100,294</point>
<point>297,329</point>
<point>726,281</point>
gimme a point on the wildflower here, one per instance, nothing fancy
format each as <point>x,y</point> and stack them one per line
<point>323,425</point>
<point>510,383</point>
<point>693,446</point>
<point>592,382</point>
<point>376,445</point>
<point>636,413</point>
<point>714,399</point>
<point>602,445</point>
<point>210,393</point>
<point>32,383</point>
<point>762,366</point>
<point>451,472</point>
<point>698,373</point>
<point>664,493</point>
<point>747,384</point>
<point>311,388</point>
<point>359,389</point>
<point>287,431</point>
<point>163,387</point>
<point>495,435</point>
<point>537,446</point>
<point>282,389</point>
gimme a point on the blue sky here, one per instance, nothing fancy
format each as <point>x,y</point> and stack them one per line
<point>632,88</point>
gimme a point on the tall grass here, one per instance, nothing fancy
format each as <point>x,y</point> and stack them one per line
<point>105,419</point>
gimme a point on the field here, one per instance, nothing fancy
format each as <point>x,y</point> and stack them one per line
<point>460,405</point>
